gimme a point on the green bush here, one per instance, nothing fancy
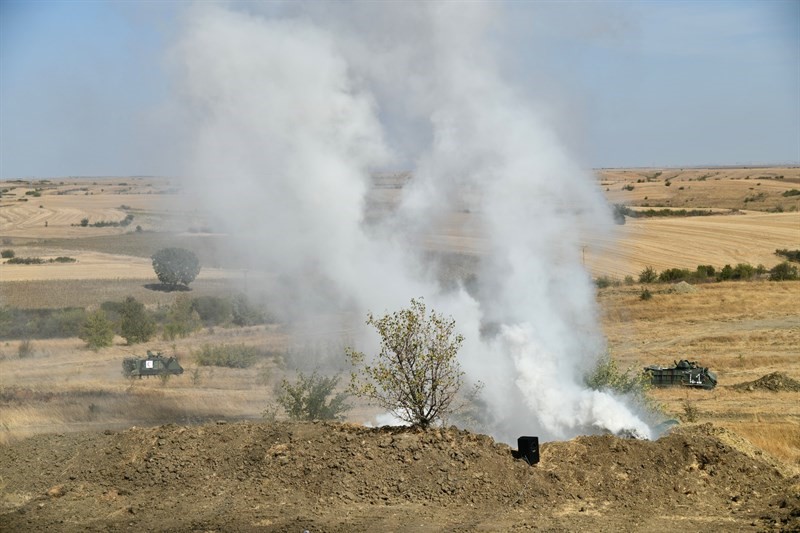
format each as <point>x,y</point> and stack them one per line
<point>648,275</point>
<point>607,376</point>
<point>783,272</point>
<point>674,274</point>
<point>645,295</point>
<point>227,355</point>
<point>40,323</point>
<point>244,313</point>
<point>793,192</point>
<point>309,398</point>
<point>725,273</point>
<point>97,330</point>
<point>604,281</point>
<point>25,261</point>
<point>213,310</point>
<point>705,272</point>
<point>7,254</point>
<point>181,319</point>
<point>791,255</point>
<point>743,271</point>
<point>136,324</point>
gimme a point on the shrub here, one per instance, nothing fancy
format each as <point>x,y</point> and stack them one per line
<point>604,281</point>
<point>136,324</point>
<point>628,187</point>
<point>64,259</point>
<point>791,255</point>
<point>793,192</point>
<point>648,275</point>
<point>607,376</point>
<point>181,319</point>
<point>309,398</point>
<point>415,375</point>
<point>705,271</point>
<point>7,254</point>
<point>725,273</point>
<point>213,310</point>
<point>674,274</point>
<point>226,355</point>
<point>690,412</point>
<point>97,330</point>
<point>84,222</point>
<point>25,261</point>
<point>40,323</point>
<point>244,313</point>
<point>783,272</point>
<point>176,266</point>
<point>743,271</point>
<point>645,295</point>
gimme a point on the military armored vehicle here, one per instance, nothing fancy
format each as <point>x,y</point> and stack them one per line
<point>155,364</point>
<point>684,373</point>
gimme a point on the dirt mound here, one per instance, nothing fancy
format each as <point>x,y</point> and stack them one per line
<point>775,382</point>
<point>340,477</point>
<point>682,288</point>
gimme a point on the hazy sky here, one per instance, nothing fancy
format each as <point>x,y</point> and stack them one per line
<point>85,90</point>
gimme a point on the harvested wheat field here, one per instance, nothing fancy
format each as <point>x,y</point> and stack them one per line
<point>84,449</point>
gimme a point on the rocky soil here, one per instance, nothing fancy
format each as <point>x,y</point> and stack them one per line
<point>340,477</point>
<point>775,382</point>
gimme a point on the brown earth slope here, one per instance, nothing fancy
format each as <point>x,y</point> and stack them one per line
<point>337,477</point>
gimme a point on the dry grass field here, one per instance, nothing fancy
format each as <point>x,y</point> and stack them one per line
<point>741,330</point>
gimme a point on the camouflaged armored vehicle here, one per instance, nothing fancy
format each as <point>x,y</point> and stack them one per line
<point>154,364</point>
<point>684,373</point>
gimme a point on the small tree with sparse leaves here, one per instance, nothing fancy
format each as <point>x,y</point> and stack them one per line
<point>307,398</point>
<point>416,375</point>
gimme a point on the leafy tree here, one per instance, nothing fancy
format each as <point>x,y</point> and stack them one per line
<point>97,330</point>
<point>725,274</point>
<point>648,275</point>
<point>308,398</point>
<point>136,325</point>
<point>176,266</point>
<point>182,319</point>
<point>416,375</point>
<point>783,271</point>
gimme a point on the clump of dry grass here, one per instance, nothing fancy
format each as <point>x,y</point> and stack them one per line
<point>781,440</point>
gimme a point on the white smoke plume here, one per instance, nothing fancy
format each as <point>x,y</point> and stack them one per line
<point>292,110</point>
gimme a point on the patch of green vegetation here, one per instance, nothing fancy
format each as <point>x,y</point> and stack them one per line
<point>793,192</point>
<point>650,213</point>
<point>791,255</point>
<point>227,355</point>
<point>40,323</point>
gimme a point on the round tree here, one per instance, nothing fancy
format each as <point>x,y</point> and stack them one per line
<point>176,266</point>
<point>415,375</point>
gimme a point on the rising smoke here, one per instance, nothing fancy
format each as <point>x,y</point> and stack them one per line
<point>293,109</point>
